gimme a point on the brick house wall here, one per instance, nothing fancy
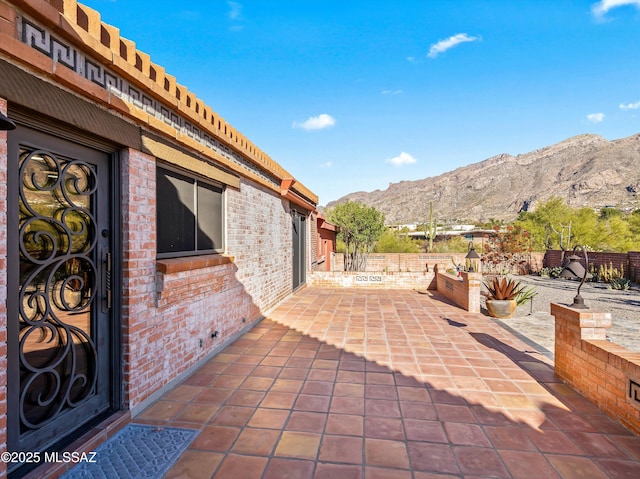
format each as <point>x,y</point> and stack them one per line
<point>315,251</point>
<point>259,238</point>
<point>3,290</point>
<point>171,310</point>
<point>325,246</point>
<point>140,352</point>
<point>173,313</point>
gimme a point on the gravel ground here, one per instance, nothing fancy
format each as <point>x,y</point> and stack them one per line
<point>534,322</point>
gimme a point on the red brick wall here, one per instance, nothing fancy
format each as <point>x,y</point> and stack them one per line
<point>3,291</point>
<point>326,246</point>
<point>167,317</point>
<point>405,262</point>
<point>463,290</point>
<point>259,236</point>
<point>634,266</point>
<point>170,315</point>
<point>420,280</point>
<point>423,261</point>
<point>552,259</point>
<point>630,262</point>
<point>143,354</point>
<point>314,246</point>
<point>600,370</point>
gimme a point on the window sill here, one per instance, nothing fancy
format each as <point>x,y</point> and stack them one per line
<point>188,263</point>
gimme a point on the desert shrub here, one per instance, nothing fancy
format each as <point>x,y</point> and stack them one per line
<point>547,272</point>
<point>507,251</point>
<point>620,284</point>
<point>607,274</point>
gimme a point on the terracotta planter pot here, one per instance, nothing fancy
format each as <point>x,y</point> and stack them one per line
<point>501,308</point>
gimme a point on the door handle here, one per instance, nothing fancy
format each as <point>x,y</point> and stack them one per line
<point>108,264</point>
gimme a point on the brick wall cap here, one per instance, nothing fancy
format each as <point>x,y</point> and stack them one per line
<point>188,263</point>
<point>580,313</point>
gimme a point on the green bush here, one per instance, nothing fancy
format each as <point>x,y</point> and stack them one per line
<point>390,242</point>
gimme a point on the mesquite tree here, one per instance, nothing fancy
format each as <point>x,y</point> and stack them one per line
<point>360,227</point>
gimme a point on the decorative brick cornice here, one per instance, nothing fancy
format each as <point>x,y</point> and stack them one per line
<point>73,35</point>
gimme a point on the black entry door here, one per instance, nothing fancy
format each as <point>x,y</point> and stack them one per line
<point>60,347</point>
<point>299,249</point>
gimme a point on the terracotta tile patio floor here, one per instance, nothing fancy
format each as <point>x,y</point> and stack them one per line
<point>346,383</point>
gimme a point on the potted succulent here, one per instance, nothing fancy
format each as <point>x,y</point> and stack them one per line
<point>504,295</point>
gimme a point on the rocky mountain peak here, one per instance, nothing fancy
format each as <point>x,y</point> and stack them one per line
<point>585,170</point>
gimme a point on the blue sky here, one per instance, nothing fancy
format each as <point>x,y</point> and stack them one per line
<point>352,95</point>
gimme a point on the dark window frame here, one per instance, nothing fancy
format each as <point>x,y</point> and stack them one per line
<point>199,183</point>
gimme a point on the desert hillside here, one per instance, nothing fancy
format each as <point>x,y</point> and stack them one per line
<point>586,170</point>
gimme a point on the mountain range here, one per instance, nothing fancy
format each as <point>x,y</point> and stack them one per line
<point>585,170</point>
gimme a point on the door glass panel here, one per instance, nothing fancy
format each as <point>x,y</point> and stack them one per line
<point>57,238</point>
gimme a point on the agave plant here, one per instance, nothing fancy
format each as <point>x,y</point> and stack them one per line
<point>620,283</point>
<point>525,295</point>
<point>502,288</point>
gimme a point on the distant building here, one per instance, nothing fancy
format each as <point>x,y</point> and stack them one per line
<point>326,247</point>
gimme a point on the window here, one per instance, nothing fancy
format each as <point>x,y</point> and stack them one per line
<point>190,215</point>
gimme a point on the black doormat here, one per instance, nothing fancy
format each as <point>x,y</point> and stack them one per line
<point>136,452</point>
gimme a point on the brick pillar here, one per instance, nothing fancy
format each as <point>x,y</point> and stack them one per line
<point>634,266</point>
<point>463,290</point>
<point>572,326</point>
<point>474,284</point>
<point>605,373</point>
<point>141,361</point>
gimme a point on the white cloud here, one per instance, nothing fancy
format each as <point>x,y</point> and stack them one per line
<point>391,92</point>
<point>630,106</point>
<point>316,122</point>
<point>235,16</point>
<point>402,159</point>
<point>328,164</point>
<point>235,10</point>
<point>444,45</point>
<point>595,117</point>
<point>601,8</point>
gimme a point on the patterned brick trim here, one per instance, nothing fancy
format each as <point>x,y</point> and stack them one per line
<point>117,85</point>
<point>633,390</point>
<point>93,49</point>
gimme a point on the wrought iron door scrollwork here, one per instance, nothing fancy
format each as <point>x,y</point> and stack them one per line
<point>58,278</point>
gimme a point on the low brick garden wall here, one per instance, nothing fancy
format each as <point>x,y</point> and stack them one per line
<point>463,290</point>
<point>629,261</point>
<point>414,262</point>
<point>420,280</point>
<point>403,262</point>
<point>605,373</point>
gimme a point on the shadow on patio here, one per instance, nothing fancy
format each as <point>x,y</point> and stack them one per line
<point>345,383</point>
